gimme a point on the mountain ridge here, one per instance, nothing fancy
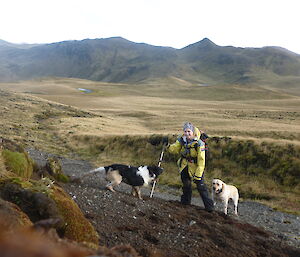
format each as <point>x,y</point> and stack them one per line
<point>117,59</point>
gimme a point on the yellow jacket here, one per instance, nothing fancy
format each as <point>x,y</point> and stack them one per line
<point>192,155</point>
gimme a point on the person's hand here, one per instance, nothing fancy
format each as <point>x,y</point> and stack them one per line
<point>203,136</point>
<point>165,140</point>
<point>198,181</point>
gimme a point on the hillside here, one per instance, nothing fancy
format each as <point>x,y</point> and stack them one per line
<point>111,124</point>
<point>120,60</point>
<point>161,226</point>
<point>45,217</point>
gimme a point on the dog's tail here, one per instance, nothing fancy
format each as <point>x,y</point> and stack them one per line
<point>78,179</point>
<point>100,169</point>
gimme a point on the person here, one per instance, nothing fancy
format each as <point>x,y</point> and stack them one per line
<point>191,163</point>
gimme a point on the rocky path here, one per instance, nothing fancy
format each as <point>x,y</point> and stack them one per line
<point>106,209</point>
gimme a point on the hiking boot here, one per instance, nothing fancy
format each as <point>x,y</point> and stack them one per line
<point>210,210</point>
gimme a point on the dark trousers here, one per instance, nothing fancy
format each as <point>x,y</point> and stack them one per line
<point>201,187</point>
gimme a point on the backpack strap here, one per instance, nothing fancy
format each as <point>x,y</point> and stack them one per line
<point>181,141</point>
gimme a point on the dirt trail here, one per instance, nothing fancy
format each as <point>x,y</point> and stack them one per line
<point>163,226</point>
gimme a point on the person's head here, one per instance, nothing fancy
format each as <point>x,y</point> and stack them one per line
<point>189,130</point>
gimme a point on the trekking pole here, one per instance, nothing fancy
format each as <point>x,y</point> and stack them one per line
<point>159,163</point>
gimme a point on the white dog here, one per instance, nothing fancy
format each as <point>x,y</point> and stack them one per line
<point>223,192</point>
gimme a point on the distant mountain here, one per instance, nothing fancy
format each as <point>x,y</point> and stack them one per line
<point>119,60</point>
<point>8,44</point>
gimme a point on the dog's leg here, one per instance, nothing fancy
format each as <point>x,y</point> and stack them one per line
<point>225,203</point>
<point>235,202</point>
<point>133,192</point>
<point>109,186</point>
<point>212,197</point>
<point>235,210</point>
<point>138,192</point>
<point>115,179</point>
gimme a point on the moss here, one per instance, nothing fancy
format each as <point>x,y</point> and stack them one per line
<point>77,227</point>
<point>19,163</point>
<point>54,169</point>
<point>63,178</point>
<point>42,186</point>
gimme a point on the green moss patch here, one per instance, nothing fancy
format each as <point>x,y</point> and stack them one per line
<point>77,227</point>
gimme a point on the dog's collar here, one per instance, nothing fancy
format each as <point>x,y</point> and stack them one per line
<point>219,191</point>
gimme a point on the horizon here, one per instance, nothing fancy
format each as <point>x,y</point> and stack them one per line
<point>99,38</point>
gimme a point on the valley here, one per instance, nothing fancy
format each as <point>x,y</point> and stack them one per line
<point>235,111</point>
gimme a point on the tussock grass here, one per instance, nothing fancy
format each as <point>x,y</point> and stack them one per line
<point>4,173</point>
<point>18,163</point>
<point>2,164</point>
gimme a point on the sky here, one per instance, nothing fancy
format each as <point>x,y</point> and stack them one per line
<point>174,23</point>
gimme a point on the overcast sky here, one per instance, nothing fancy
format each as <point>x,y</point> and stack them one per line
<point>175,23</point>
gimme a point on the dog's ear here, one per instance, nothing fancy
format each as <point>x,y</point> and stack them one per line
<point>156,170</point>
<point>159,170</point>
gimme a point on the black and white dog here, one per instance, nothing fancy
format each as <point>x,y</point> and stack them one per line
<point>136,177</point>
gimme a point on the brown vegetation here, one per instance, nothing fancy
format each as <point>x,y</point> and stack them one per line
<point>122,116</point>
<point>31,242</point>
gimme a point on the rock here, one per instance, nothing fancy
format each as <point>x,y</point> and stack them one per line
<point>12,217</point>
<point>40,202</point>
<point>192,222</point>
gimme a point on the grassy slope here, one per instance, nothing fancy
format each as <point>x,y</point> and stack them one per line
<point>160,107</point>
